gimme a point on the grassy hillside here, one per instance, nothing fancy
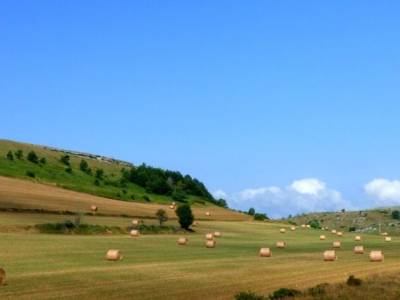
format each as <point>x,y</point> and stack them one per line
<point>370,221</point>
<point>42,266</point>
<point>54,172</point>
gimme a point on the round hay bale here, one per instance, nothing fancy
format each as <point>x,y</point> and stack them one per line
<point>388,239</point>
<point>135,233</point>
<point>384,233</point>
<point>280,244</point>
<point>330,255</point>
<point>339,233</point>
<point>94,208</point>
<point>172,206</point>
<point>293,228</point>
<point>336,244</point>
<point>209,236</point>
<point>322,237</point>
<point>282,230</point>
<point>208,213</point>
<point>195,223</point>
<point>303,225</point>
<point>173,203</point>
<point>210,243</point>
<point>359,250</point>
<point>182,241</point>
<point>2,276</point>
<point>376,256</point>
<point>357,238</point>
<point>333,231</point>
<point>113,255</point>
<point>135,222</point>
<point>265,252</point>
<point>217,234</point>
<point>308,226</point>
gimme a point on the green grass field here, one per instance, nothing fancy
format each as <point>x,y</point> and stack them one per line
<point>42,266</point>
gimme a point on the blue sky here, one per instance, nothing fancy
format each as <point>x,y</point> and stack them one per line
<point>246,96</point>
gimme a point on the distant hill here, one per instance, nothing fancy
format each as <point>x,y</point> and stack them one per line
<point>99,175</point>
<point>371,221</point>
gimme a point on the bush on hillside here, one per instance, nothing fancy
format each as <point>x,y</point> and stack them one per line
<point>99,174</point>
<point>43,161</point>
<point>260,217</point>
<point>83,166</point>
<point>185,216</point>
<point>284,293</point>
<point>396,215</point>
<point>32,157</point>
<point>252,211</point>
<point>19,154</point>
<point>10,156</point>
<point>314,223</point>
<point>353,281</point>
<point>30,174</point>
<point>65,159</point>
<point>161,216</point>
<point>249,296</point>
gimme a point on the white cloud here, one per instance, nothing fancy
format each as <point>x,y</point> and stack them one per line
<point>219,194</point>
<point>301,196</point>
<point>385,192</point>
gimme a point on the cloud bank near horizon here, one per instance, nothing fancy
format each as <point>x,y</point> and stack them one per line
<point>384,192</point>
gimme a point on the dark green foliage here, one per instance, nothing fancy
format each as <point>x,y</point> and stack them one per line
<point>146,198</point>
<point>43,161</point>
<point>252,211</point>
<point>32,157</point>
<point>179,195</point>
<point>260,217</point>
<point>19,154</point>
<point>249,296</point>
<point>314,224</point>
<point>68,170</point>
<point>30,174</point>
<point>284,293</point>
<point>222,203</point>
<point>161,216</point>
<point>318,290</point>
<point>65,159</point>
<point>352,229</point>
<point>10,156</point>
<point>353,281</point>
<point>185,216</point>
<point>84,166</point>
<point>99,174</point>
<point>96,182</point>
<point>151,229</point>
<point>69,227</point>
<point>396,215</point>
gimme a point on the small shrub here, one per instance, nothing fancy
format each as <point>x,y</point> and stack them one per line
<point>19,154</point>
<point>83,166</point>
<point>396,215</point>
<point>146,198</point>
<point>43,161</point>
<point>284,293</point>
<point>185,216</point>
<point>30,174</point>
<point>96,182</point>
<point>65,159</point>
<point>133,197</point>
<point>318,290</point>
<point>314,223</point>
<point>353,281</point>
<point>248,296</point>
<point>260,217</point>
<point>161,216</point>
<point>68,170</point>
<point>10,156</point>
<point>99,174</point>
<point>352,229</point>
<point>32,157</point>
<point>118,195</point>
<point>252,211</point>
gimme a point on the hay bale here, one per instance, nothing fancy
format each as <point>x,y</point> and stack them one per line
<point>182,241</point>
<point>388,239</point>
<point>308,226</point>
<point>208,213</point>
<point>359,250</point>
<point>172,206</point>
<point>135,233</point>
<point>339,233</point>
<point>94,208</point>
<point>336,244</point>
<point>322,237</point>
<point>330,255</point>
<point>303,225</point>
<point>114,255</point>
<point>195,223</point>
<point>2,276</point>
<point>135,222</point>
<point>333,231</point>
<point>293,228</point>
<point>280,244</point>
<point>217,234</point>
<point>384,233</point>
<point>265,252</point>
<point>357,238</point>
<point>209,236</point>
<point>376,256</point>
<point>210,243</point>
<point>282,230</point>
<point>173,203</point>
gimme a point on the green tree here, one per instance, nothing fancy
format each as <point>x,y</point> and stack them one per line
<point>32,157</point>
<point>161,216</point>
<point>185,216</point>
<point>99,174</point>
<point>10,156</point>
<point>83,166</point>
<point>65,159</point>
<point>396,215</point>
<point>252,211</point>
<point>43,160</point>
<point>19,154</point>
<point>314,224</point>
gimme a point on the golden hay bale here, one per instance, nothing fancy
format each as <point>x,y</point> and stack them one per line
<point>172,206</point>
<point>114,255</point>
<point>217,234</point>
<point>336,244</point>
<point>293,228</point>
<point>280,244</point>
<point>209,236</point>
<point>195,223</point>
<point>303,225</point>
<point>359,249</point>
<point>182,241</point>
<point>308,226</point>
<point>330,255</point>
<point>135,233</point>
<point>388,239</point>
<point>282,230</point>
<point>265,252</point>
<point>376,256</point>
<point>322,237</point>
<point>333,231</point>
<point>357,238</point>
<point>208,213</point>
<point>94,208</point>
<point>135,222</point>
<point>339,233</point>
<point>210,243</point>
<point>2,276</point>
